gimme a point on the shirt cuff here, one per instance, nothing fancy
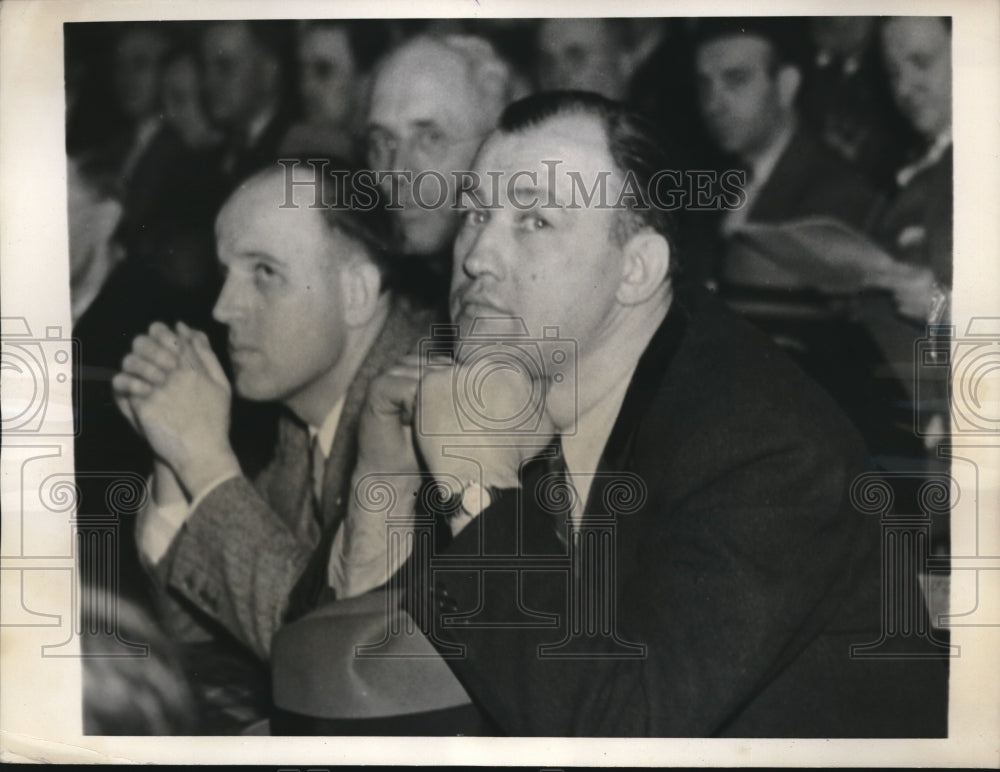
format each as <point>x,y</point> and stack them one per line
<point>159,525</point>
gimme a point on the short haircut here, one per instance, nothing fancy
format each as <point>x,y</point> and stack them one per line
<point>272,37</point>
<point>368,38</point>
<point>632,144</point>
<point>618,29</point>
<point>490,76</point>
<point>368,223</point>
<point>884,21</point>
<point>786,37</point>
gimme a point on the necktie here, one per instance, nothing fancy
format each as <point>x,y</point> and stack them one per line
<point>546,475</point>
<point>317,465</point>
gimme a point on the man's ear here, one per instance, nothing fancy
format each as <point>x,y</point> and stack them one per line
<point>789,80</point>
<point>645,264</point>
<point>360,288</point>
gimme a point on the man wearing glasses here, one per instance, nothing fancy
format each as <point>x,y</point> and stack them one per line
<point>433,100</point>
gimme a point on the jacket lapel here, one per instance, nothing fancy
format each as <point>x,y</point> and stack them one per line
<point>646,379</point>
<point>399,336</point>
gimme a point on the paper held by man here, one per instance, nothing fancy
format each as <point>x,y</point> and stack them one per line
<point>815,253</point>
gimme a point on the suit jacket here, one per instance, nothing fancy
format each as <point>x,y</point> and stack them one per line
<point>810,179</point>
<point>743,568</point>
<point>916,228</point>
<point>171,196</point>
<point>239,163</point>
<point>240,554</point>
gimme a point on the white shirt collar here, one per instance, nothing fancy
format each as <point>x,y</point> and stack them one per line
<point>937,149</point>
<point>582,450</point>
<point>763,165</point>
<point>328,429</point>
<point>259,124</point>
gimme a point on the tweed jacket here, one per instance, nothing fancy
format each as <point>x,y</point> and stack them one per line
<point>240,555</point>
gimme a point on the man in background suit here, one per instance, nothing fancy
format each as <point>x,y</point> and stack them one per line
<point>749,76</point>
<point>748,81</point>
<point>737,573</point>
<point>309,326</point>
<point>433,100</point>
<point>916,227</point>
<point>245,66</point>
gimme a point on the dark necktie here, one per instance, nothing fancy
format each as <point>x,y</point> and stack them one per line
<point>317,466</point>
<point>545,476</point>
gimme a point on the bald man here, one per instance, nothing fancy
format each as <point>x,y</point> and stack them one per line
<point>310,324</point>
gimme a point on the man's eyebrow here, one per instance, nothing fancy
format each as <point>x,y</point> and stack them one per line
<point>266,257</point>
<point>426,123</point>
<point>542,195</point>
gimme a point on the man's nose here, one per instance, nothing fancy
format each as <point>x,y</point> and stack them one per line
<point>909,83</point>
<point>712,101</point>
<point>229,305</point>
<point>484,253</point>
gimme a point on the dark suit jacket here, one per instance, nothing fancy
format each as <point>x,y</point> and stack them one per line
<point>239,163</point>
<point>240,554</point>
<point>916,228</point>
<point>745,572</point>
<point>810,179</point>
<point>171,197</point>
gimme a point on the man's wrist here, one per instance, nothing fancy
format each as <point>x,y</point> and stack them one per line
<point>199,473</point>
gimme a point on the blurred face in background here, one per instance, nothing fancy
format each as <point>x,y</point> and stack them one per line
<point>425,115</point>
<point>581,54</point>
<point>744,99</point>
<point>329,75</point>
<point>241,78</point>
<point>138,60</point>
<point>182,105</point>
<point>842,35</point>
<point>917,54</point>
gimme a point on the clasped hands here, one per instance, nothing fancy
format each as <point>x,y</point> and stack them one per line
<point>175,394</point>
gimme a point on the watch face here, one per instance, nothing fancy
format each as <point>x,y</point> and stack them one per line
<point>475,498</point>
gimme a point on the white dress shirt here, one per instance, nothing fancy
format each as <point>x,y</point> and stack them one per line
<point>157,525</point>
<point>582,450</point>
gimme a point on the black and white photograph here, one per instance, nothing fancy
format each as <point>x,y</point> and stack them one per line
<point>474,372</point>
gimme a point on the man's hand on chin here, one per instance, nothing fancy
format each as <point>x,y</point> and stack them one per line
<point>478,423</point>
<point>179,397</point>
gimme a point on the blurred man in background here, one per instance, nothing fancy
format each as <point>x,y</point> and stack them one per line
<point>335,60</point>
<point>245,80</point>
<point>433,100</point>
<point>749,75</point>
<point>846,98</point>
<point>748,82</point>
<point>917,226</point>
<point>586,55</point>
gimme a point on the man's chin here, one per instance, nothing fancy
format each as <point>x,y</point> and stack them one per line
<point>252,388</point>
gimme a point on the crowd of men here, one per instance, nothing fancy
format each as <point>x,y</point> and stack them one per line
<point>266,361</point>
